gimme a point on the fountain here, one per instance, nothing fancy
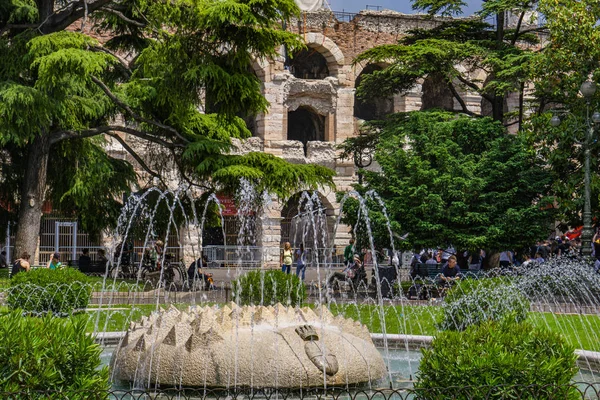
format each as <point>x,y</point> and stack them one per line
<point>282,347</point>
<point>202,345</point>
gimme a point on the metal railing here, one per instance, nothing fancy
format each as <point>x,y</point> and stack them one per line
<point>575,390</point>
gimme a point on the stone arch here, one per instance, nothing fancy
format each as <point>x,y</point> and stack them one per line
<point>298,223</point>
<point>371,109</point>
<point>327,48</point>
<point>261,67</point>
<point>305,124</point>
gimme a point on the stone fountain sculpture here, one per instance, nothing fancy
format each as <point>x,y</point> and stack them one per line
<point>250,346</point>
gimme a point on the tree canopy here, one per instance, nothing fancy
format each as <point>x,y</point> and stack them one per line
<point>455,179</point>
<point>171,76</point>
<point>567,61</point>
<point>466,55</point>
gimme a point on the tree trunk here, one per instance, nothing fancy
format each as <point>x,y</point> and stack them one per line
<point>32,196</point>
<point>45,9</point>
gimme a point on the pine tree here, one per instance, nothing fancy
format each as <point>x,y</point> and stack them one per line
<point>172,75</point>
<point>455,50</point>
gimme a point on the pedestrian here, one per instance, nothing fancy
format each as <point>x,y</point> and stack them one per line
<point>505,259</point>
<point>3,260</point>
<point>54,262</point>
<point>300,262</point>
<point>286,258</point>
<point>21,264</point>
<point>476,260</point>
<point>349,253</point>
<point>85,261</point>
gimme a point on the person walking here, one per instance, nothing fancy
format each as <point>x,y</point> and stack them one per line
<point>286,258</point>
<point>300,262</point>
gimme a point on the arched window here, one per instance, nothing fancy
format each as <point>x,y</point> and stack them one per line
<point>305,125</point>
<point>307,64</point>
<point>302,216</point>
<point>370,109</point>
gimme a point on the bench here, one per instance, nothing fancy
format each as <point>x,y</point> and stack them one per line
<point>430,271</point>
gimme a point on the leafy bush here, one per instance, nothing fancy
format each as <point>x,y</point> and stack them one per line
<point>473,301</point>
<point>269,288</point>
<point>497,353</point>
<point>50,354</point>
<point>43,290</point>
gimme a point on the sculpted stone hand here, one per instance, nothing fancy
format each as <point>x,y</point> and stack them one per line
<point>315,351</point>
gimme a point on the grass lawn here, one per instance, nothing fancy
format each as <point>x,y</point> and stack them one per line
<point>582,331</point>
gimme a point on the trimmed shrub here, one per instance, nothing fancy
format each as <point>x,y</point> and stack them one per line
<point>50,354</point>
<point>42,290</point>
<point>494,357</point>
<point>473,301</point>
<point>269,288</point>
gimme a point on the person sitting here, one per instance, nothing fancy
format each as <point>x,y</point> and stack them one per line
<point>84,263</point>
<point>450,272</point>
<point>354,273</point>
<point>195,273</point>
<point>3,260</point>
<point>539,259</point>
<point>54,262</point>
<point>21,264</point>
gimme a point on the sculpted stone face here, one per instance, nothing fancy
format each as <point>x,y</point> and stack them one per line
<point>248,347</point>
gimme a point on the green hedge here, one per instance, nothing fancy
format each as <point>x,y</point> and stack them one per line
<point>473,301</point>
<point>50,354</point>
<point>269,288</point>
<point>498,353</point>
<point>42,290</point>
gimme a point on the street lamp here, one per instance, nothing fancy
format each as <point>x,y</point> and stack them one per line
<point>363,158</point>
<point>587,89</point>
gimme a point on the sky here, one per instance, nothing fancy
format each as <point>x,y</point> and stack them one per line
<point>404,6</point>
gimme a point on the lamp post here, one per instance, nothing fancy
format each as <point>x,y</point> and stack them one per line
<point>362,159</point>
<point>587,89</point>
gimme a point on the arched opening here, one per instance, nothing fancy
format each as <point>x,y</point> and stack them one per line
<point>436,93</point>
<point>306,217</point>
<point>305,125</point>
<point>371,109</point>
<point>307,64</point>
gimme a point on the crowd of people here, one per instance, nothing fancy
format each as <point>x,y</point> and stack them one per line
<point>452,262</point>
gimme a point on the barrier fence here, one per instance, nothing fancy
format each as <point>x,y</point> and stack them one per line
<point>547,392</point>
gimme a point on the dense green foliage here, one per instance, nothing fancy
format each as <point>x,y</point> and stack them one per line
<point>557,75</point>
<point>454,52</point>
<point>455,179</point>
<point>50,354</point>
<point>179,97</point>
<point>474,301</point>
<point>42,290</point>
<point>269,288</point>
<point>496,353</point>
